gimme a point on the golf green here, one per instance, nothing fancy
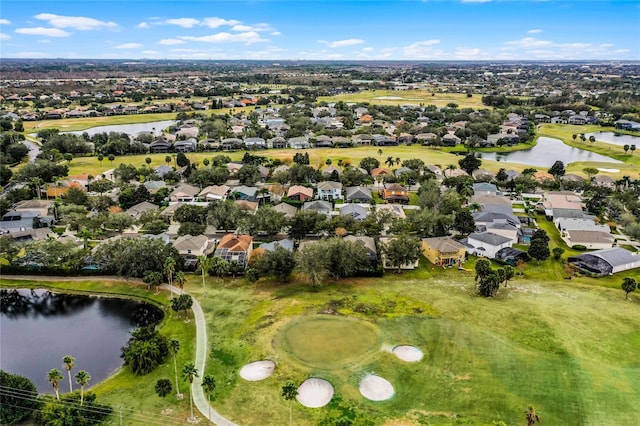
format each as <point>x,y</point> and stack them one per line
<point>329,342</point>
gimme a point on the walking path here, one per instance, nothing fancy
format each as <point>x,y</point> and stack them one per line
<point>199,398</point>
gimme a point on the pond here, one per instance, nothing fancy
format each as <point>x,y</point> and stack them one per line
<point>615,138</point>
<point>38,328</point>
<point>131,129</point>
<point>546,152</point>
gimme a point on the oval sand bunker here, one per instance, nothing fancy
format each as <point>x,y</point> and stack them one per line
<point>408,353</point>
<point>315,393</point>
<point>375,388</point>
<point>258,370</point>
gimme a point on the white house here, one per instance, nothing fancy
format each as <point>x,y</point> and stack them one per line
<point>486,244</point>
<point>329,190</point>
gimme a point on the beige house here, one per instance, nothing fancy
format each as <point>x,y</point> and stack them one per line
<point>443,251</point>
<point>590,239</point>
<point>190,247</point>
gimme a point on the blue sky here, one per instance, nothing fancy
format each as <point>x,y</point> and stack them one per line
<point>329,30</point>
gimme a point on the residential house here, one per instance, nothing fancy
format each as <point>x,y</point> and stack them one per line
<point>255,143</point>
<point>43,207</point>
<point>511,256</point>
<point>300,193</point>
<point>247,206</point>
<point>385,262</point>
<point>16,221</point>
<point>604,181</point>
<point>394,210</point>
<point>190,247</point>
<point>484,188</point>
<point>243,192</point>
<point>163,170</point>
<point>369,245</point>
<point>606,261</point>
<point>214,193</point>
<point>590,239</point>
<point>486,244</point>
<point>450,140</point>
<point>286,244</point>
<point>394,193</point>
<point>299,143</point>
<point>329,190</point>
<point>137,210</point>
<point>380,172</point>
<point>154,185</point>
<point>185,193</point>
<point>354,210</point>
<point>319,206</point>
<point>443,251</point>
<point>234,247</point>
<point>358,194</point>
<point>160,145</point>
<point>187,145</point>
<point>288,210</point>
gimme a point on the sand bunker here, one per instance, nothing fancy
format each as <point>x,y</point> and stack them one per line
<point>388,98</point>
<point>258,370</point>
<point>376,388</point>
<point>315,393</point>
<point>609,170</point>
<point>408,353</point>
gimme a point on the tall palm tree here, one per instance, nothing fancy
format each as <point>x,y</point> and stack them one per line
<point>82,378</point>
<point>531,416</point>
<point>54,376</point>
<point>204,263</point>
<point>190,372</point>
<point>181,278</point>
<point>389,161</point>
<point>169,269</point>
<point>174,347</point>
<point>289,393</point>
<point>69,363</point>
<point>209,385</point>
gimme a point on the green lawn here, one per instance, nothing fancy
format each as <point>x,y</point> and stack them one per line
<point>552,343</point>
<point>408,97</point>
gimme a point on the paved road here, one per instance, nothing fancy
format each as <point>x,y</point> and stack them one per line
<point>199,398</point>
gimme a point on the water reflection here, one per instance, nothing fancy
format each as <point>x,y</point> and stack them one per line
<point>39,327</point>
<point>546,152</point>
<point>615,138</point>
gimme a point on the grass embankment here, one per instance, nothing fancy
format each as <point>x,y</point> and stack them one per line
<point>408,97</point>
<point>563,346</point>
<point>565,133</point>
<point>135,395</point>
<point>75,124</point>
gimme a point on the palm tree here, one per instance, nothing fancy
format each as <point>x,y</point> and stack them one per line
<point>189,372</point>
<point>209,385</point>
<point>181,278</point>
<point>204,263</point>
<point>174,347</point>
<point>389,161</point>
<point>69,363</point>
<point>380,152</point>
<point>167,159</point>
<point>626,148</point>
<point>163,387</point>
<point>632,148</point>
<point>111,158</point>
<point>592,139</point>
<point>574,136</point>
<point>148,161</point>
<point>289,392</point>
<point>531,416</point>
<point>82,378</point>
<point>169,269</point>
<point>397,161</point>
<point>37,183</point>
<point>100,158</point>
<point>54,378</point>
<point>89,179</point>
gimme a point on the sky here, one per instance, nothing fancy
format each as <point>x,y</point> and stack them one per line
<point>322,30</point>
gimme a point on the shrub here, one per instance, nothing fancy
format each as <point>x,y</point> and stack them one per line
<point>579,247</point>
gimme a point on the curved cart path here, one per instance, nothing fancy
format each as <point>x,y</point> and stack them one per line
<point>199,398</point>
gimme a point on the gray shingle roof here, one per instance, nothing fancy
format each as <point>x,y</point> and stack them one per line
<point>489,238</point>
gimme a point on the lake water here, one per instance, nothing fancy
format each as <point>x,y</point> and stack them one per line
<point>615,138</point>
<point>131,129</point>
<point>38,328</point>
<point>546,152</point>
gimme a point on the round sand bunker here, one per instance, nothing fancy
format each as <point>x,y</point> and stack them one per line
<point>258,370</point>
<point>408,353</point>
<point>315,393</point>
<point>375,388</point>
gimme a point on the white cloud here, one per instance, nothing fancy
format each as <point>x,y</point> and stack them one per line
<point>5,22</point>
<point>275,33</point>
<point>534,31</point>
<point>367,49</point>
<point>4,36</point>
<point>81,23</point>
<point>129,46</point>
<point>347,42</point>
<point>473,53</point>
<point>215,22</point>
<point>422,50</point>
<point>30,55</point>
<point>249,37</point>
<point>171,41</point>
<point>255,27</point>
<point>528,42</point>
<point>41,31</point>
<point>184,22</point>
<point>475,1</point>
<point>143,25</point>
<point>151,52</point>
